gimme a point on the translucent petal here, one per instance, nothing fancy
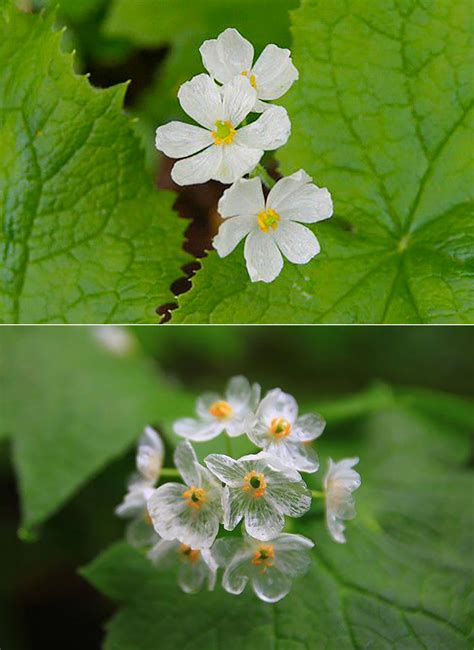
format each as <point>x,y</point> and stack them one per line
<point>150,454</point>
<point>191,575</point>
<point>228,470</point>
<point>263,259</point>
<point>238,100</point>
<point>235,506</point>
<point>178,139</point>
<point>277,404</point>
<point>201,99</point>
<point>292,555</point>
<point>237,573</point>
<point>294,454</point>
<point>244,197</point>
<point>238,391</point>
<point>270,131</point>
<point>223,550</point>
<point>204,403</point>
<point>140,532</point>
<point>186,462</point>
<point>262,520</point>
<point>308,427</point>
<point>271,585</point>
<point>297,243</point>
<point>274,72</point>
<point>290,496</point>
<point>199,168</point>
<point>164,554</point>
<point>227,56</point>
<point>197,429</point>
<point>231,232</point>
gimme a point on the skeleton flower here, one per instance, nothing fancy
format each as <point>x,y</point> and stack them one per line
<point>190,513</point>
<point>233,413</point>
<point>230,54</point>
<point>149,460</point>
<point>270,226</point>
<point>260,490</point>
<point>281,433</point>
<point>227,153</point>
<point>270,565</point>
<point>195,566</point>
<point>339,483</point>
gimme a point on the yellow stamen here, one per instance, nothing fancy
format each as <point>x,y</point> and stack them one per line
<point>224,132</point>
<point>268,219</point>
<point>221,410</point>
<point>188,554</point>
<point>255,484</point>
<point>252,78</point>
<point>280,428</point>
<point>264,557</point>
<point>195,497</point>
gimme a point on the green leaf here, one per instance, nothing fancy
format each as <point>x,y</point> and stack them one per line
<point>86,237</point>
<point>401,581</point>
<point>381,115</point>
<point>70,407</point>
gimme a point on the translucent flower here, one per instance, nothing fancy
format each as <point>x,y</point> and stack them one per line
<point>190,513</point>
<point>227,153</point>
<point>339,483</point>
<point>150,455</point>
<point>233,412</point>
<point>281,433</point>
<point>139,531</point>
<point>230,54</point>
<point>270,566</point>
<point>261,491</point>
<point>270,226</point>
<point>195,566</point>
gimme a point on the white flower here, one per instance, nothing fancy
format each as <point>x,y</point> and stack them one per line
<point>226,153</point>
<point>339,483</point>
<point>139,531</point>
<point>270,566</point>
<point>271,226</point>
<point>150,455</point>
<point>260,490</point>
<point>190,513</point>
<point>281,433</point>
<point>115,339</point>
<point>195,566</point>
<point>230,54</point>
<point>233,412</point>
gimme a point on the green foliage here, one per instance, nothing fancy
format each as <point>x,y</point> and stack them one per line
<point>402,580</point>
<point>86,237</point>
<point>381,115</point>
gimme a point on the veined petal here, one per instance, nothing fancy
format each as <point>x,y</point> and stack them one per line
<point>165,507</point>
<point>270,131</point>
<point>244,197</point>
<point>140,533</point>
<point>187,464</point>
<point>237,573</point>
<point>277,404</point>
<point>150,454</point>
<point>225,468</point>
<point>238,100</point>
<point>197,430</point>
<point>271,585</point>
<point>263,259</point>
<point>225,548</point>
<point>163,554</point>
<point>228,55</point>
<point>199,168</point>
<point>262,520</point>
<point>177,139</point>
<point>289,494</point>
<point>296,197</point>
<point>191,575</point>
<point>297,243</point>
<point>235,506</point>
<point>231,232</point>
<point>296,455</point>
<point>308,427</point>
<point>201,99</point>
<point>236,160</point>
<point>274,72</point>
<point>239,425</point>
<point>238,392</point>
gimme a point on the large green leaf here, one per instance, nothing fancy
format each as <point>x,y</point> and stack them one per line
<point>70,407</point>
<point>85,236</point>
<point>403,580</point>
<point>381,115</point>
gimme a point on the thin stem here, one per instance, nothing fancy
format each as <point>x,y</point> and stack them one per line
<point>318,494</point>
<point>169,471</point>
<point>264,175</point>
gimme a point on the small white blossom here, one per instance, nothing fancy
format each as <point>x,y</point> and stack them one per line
<point>115,339</point>
<point>195,565</point>
<point>281,433</point>
<point>230,54</point>
<point>150,455</point>
<point>190,513</point>
<point>270,226</point>
<point>260,490</point>
<point>140,531</point>
<point>233,412</point>
<point>226,152</point>
<point>339,483</point>
<point>270,566</point>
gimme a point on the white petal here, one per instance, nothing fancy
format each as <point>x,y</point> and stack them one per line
<point>238,100</point>
<point>201,99</point>
<point>270,131</point>
<point>186,463</point>
<point>308,427</point>
<point>237,573</point>
<point>212,567</point>
<point>239,425</point>
<point>244,197</point>
<point>287,491</point>
<point>291,553</point>
<point>277,404</point>
<point>264,260</point>
<point>227,56</point>
<point>231,232</point>
<point>296,197</point>
<point>236,160</point>
<point>150,454</point>
<point>274,72</point>
<point>261,107</point>
<point>191,575</point>
<point>295,455</point>
<point>228,470</point>
<point>140,533</point>
<point>225,548</point>
<point>197,430</point>
<point>199,168</point>
<point>262,520</point>
<point>271,585</point>
<point>238,391</point>
<point>259,434</point>
<point>177,139</point>
<point>164,553</point>
<point>235,502</point>
<point>165,506</point>
<point>204,403</point>
<point>297,243</point>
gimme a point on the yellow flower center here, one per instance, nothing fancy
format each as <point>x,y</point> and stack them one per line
<point>188,554</point>
<point>224,132</point>
<point>268,219</point>
<point>264,557</point>
<point>221,410</point>
<point>255,484</point>
<point>280,428</point>
<point>252,78</point>
<point>195,497</point>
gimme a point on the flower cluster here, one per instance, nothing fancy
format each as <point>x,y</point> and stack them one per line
<point>228,145</point>
<point>179,523</point>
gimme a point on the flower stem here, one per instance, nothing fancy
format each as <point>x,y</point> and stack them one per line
<point>264,175</point>
<point>169,471</point>
<point>317,494</point>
